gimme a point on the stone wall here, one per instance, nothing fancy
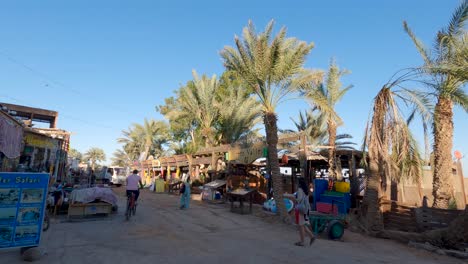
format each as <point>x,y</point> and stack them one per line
<point>413,193</point>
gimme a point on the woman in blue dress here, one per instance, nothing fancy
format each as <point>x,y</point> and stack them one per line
<point>185,194</point>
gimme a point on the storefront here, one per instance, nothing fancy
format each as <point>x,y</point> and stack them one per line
<point>40,152</point>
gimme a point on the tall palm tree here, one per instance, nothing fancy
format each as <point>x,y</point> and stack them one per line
<point>121,158</point>
<point>153,135</point>
<point>132,144</point>
<point>267,65</point>
<point>94,155</point>
<point>314,126</point>
<point>312,122</point>
<point>75,154</point>
<point>147,138</point>
<point>196,102</point>
<point>392,150</point>
<point>325,97</point>
<point>447,67</point>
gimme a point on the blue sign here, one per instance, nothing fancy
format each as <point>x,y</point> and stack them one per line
<point>22,206</point>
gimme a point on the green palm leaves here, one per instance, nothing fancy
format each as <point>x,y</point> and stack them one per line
<point>94,155</point>
<point>147,139</point>
<point>267,64</point>
<point>207,112</point>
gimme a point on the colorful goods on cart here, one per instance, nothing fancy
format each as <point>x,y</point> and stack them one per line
<point>329,201</point>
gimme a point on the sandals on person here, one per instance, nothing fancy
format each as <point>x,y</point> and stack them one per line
<point>312,240</point>
<point>299,244</point>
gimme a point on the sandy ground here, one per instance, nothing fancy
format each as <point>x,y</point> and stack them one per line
<point>206,233</point>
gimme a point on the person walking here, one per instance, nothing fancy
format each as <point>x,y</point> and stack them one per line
<point>185,194</point>
<point>301,210</point>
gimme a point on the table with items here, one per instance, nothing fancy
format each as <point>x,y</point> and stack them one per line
<point>241,195</point>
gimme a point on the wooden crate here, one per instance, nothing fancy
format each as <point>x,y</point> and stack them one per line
<point>89,209</point>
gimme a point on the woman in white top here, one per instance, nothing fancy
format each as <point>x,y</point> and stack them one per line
<point>302,209</point>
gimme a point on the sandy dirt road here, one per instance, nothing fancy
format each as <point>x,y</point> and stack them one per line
<point>161,233</point>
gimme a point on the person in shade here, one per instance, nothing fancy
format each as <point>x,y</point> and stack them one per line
<point>185,194</point>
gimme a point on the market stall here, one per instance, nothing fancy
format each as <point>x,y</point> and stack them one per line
<point>214,191</point>
<point>91,201</point>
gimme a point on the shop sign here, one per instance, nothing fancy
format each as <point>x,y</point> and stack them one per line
<point>41,142</point>
<point>22,208</point>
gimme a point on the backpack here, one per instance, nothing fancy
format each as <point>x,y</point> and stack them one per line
<point>303,206</point>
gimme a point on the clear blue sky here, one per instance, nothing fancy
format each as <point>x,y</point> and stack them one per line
<point>105,64</point>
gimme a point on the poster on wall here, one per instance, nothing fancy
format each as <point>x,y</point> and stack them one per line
<point>22,207</point>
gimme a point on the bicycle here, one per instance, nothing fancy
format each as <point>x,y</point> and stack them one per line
<point>131,206</point>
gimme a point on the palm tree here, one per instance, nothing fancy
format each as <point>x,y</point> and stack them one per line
<point>132,144</point>
<point>75,154</point>
<point>238,114</point>
<point>325,98</point>
<point>196,104</point>
<point>447,67</point>
<point>313,124</point>
<point>121,158</point>
<point>392,150</point>
<point>153,135</point>
<point>94,155</point>
<point>147,138</point>
<point>268,65</point>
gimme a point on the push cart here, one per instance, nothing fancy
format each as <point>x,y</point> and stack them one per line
<point>327,218</point>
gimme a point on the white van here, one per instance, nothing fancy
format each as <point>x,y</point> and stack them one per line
<point>119,174</point>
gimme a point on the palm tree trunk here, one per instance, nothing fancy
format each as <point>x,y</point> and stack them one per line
<point>147,147</point>
<point>443,141</point>
<point>271,131</point>
<point>332,152</point>
<point>371,202</point>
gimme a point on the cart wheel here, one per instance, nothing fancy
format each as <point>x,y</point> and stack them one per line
<point>321,224</point>
<point>335,229</point>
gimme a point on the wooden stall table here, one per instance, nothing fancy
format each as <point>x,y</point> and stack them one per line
<point>209,190</point>
<point>241,195</point>
<point>174,187</point>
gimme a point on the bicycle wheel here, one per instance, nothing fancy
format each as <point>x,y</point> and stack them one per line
<point>128,211</point>
<point>134,208</point>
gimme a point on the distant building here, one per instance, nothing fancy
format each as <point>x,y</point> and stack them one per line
<point>40,149</point>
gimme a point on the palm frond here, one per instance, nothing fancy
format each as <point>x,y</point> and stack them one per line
<point>419,46</point>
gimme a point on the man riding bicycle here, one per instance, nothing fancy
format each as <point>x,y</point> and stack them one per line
<point>133,183</point>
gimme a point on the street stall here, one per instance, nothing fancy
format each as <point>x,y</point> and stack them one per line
<point>214,191</point>
<point>91,201</point>
<point>174,166</point>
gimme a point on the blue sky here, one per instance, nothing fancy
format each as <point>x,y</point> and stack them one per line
<point>106,64</point>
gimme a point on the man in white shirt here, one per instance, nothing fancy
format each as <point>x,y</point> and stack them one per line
<point>133,184</point>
